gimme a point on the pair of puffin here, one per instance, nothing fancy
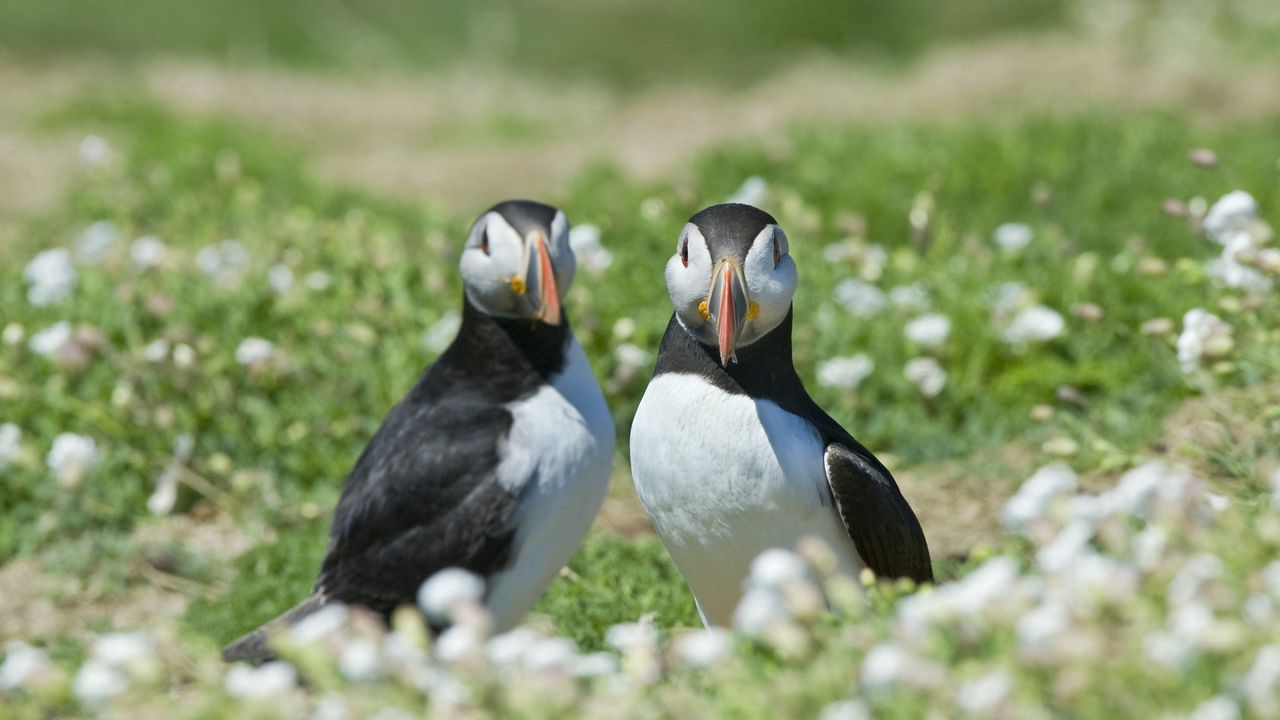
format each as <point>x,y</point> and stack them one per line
<point>498,459</point>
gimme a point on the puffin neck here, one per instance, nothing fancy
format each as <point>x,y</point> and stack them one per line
<point>484,341</point>
<point>763,368</point>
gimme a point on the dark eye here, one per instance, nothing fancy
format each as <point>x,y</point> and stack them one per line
<point>484,242</point>
<point>779,246</point>
<point>777,254</point>
<point>684,252</point>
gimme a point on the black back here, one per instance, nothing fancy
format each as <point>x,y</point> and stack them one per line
<point>424,494</point>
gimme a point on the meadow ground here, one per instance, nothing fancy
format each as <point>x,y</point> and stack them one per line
<point>236,295</point>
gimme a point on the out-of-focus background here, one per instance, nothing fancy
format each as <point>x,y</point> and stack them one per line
<point>1028,232</point>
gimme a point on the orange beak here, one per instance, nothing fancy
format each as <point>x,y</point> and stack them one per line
<point>540,280</point>
<point>727,304</point>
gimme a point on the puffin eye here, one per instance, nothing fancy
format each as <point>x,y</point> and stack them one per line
<point>484,241</point>
<point>684,252</point>
<point>779,246</point>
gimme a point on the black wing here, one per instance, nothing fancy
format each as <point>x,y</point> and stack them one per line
<point>423,496</point>
<point>877,517</point>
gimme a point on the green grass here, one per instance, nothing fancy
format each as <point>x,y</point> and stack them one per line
<point>273,446</point>
<point>624,44</point>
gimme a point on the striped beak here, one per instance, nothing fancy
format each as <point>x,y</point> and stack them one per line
<point>727,303</point>
<point>538,286</point>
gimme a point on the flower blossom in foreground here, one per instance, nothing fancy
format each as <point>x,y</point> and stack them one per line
<point>10,444</point>
<point>254,351</point>
<point>1037,493</point>
<point>444,591</point>
<point>21,663</point>
<point>1012,237</point>
<point>845,373</point>
<point>584,240</point>
<point>1230,213</point>
<point>926,374</point>
<point>704,648</point>
<point>1204,336</point>
<point>147,252</point>
<point>930,330</point>
<point>72,457</point>
<point>860,298</point>
<point>51,275</point>
<point>93,244</point>
<point>1034,324</point>
<point>263,681</point>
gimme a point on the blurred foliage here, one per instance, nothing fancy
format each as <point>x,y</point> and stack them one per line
<point>626,44</point>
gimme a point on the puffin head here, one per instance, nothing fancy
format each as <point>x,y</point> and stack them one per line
<point>731,279</point>
<point>517,262</point>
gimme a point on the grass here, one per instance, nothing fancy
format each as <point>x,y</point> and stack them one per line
<point>272,443</point>
<point>623,44</point>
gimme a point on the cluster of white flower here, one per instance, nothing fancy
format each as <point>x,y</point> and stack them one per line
<point>845,373</point>
<point>51,275</point>
<point>1204,337</point>
<point>1234,224</point>
<point>591,255</point>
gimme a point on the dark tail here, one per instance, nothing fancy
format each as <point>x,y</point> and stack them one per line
<point>254,648</point>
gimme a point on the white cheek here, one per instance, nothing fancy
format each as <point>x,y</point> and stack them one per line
<point>488,277</point>
<point>771,288</point>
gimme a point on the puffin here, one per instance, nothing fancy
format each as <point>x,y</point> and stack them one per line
<point>498,458</point>
<point>729,455</point>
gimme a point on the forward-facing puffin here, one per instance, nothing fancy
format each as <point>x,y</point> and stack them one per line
<point>496,461</point>
<point>729,453</point>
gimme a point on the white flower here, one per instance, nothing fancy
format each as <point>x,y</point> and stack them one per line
<point>1034,324</point>
<point>165,496</point>
<point>97,681</point>
<point>95,242</point>
<point>319,280</point>
<point>1037,493</point>
<point>776,568</point>
<point>21,663</point>
<point>845,373</point>
<point>929,330</point>
<point>1149,546</point>
<point>122,648</point>
<point>1261,684</point>
<point>156,351</point>
<point>223,261</point>
<point>184,355</point>
<point>1010,297</point>
<point>1218,707</point>
<point>759,609</point>
<point>264,681</point>
<point>1194,573</point>
<point>631,356</point>
<point>994,579</point>
<point>845,710</point>
<point>51,340</point>
<point>442,332</point>
<point>584,240</point>
<point>926,374</point>
<point>912,298</point>
<point>280,278</point>
<point>320,624</point>
<point>982,695</point>
<point>253,350</point>
<point>1231,212</point>
<point>753,191</point>
<point>704,648</point>
<point>1012,237</point>
<point>1042,625</point>
<point>1071,544</point>
<point>51,275</point>
<point>10,444</point>
<point>509,647</point>
<point>447,589</point>
<point>885,665</point>
<point>550,654</point>
<point>72,457</point>
<point>860,298</point>
<point>1228,268</point>
<point>359,661</point>
<point>95,151</point>
<point>597,664</point>
<point>633,636</point>
<point>1203,335</point>
<point>13,334</point>
<point>147,252</point>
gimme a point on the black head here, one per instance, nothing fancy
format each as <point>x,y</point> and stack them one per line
<point>517,262</point>
<point>732,277</point>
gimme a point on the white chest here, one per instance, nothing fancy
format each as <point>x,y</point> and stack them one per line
<point>724,477</point>
<point>557,458</point>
